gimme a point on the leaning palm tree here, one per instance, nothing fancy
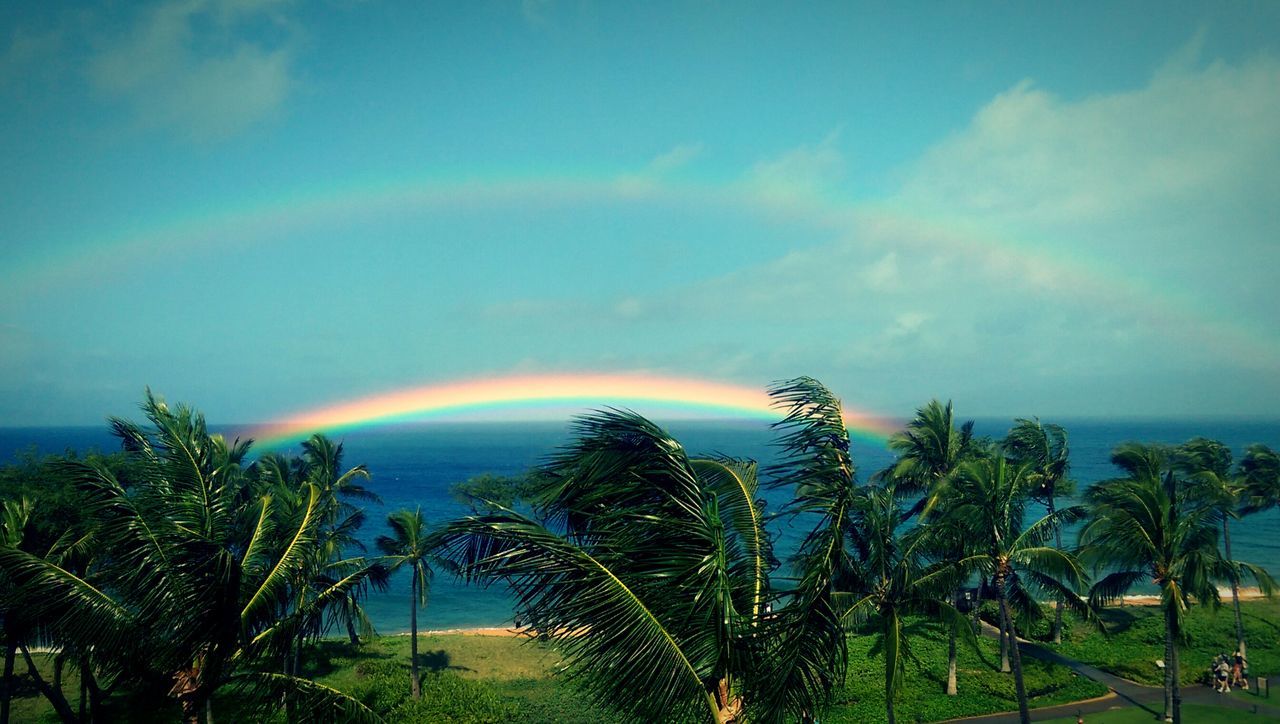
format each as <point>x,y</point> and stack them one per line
<point>930,449</point>
<point>1145,526</point>
<point>986,499</point>
<point>648,568</point>
<point>1260,468</point>
<point>1045,450</point>
<point>410,546</point>
<point>808,647</point>
<point>891,582</point>
<point>196,575</point>
<point>1207,467</point>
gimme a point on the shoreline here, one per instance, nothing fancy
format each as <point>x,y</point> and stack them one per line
<point>1248,593</point>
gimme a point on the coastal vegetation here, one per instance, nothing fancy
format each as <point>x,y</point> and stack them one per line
<point>187,574</point>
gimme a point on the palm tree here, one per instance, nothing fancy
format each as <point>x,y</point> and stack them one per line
<point>321,465</point>
<point>986,499</point>
<point>410,546</point>
<point>197,572</point>
<point>13,524</point>
<point>1260,468</point>
<point>648,568</point>
<point>890,581</point>
<point>1207,465</point>
<point>1146,526</point>
<point>1045,450</point>
<point>929,450</point>
<point>809,648</point>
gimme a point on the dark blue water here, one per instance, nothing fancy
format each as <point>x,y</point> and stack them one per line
<point>414,465</point>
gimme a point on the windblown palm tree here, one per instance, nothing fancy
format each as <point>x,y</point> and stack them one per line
<point>1146,526</point>
<point>649,570</point>
<point>809,650</point>
<point>891,582</point>
<point>985,499</point>
<point>1044,449</point>
<point>410,546</point>
<point>199,570</point>
<point>1260,468</point>
<point>1207,465</point>
<point>930,449</point>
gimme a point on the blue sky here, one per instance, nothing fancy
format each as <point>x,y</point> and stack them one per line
<point>260,206</point>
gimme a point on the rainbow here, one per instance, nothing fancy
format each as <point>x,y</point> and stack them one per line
<point>702,397</point>
<point>52,265</point>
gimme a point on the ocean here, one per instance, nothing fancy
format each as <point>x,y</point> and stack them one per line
<point>415,464</point>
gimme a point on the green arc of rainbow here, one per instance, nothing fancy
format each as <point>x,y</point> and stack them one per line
<point>434,401</point>
<point>250,221</point>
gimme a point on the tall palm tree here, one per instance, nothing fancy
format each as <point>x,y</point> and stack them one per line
<point>1146,526</point>
<point>648,568</point>
<point>197,570</point>
<point>891,581</point>
<point>930,449</point>
<point>321,465</point>
<point>986,499</point>
<point>808,650</point>
<point>410,546</point>
<point>1045,450</point>
<point>1207,466</point>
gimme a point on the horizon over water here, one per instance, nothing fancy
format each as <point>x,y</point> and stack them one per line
<point>414,464</point>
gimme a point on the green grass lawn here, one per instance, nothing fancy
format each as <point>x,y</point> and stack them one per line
<point>982,689</point>
<point>1136,641</point>
<point>497,679</point>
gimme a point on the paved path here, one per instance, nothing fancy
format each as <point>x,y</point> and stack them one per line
<point>1123,693</point>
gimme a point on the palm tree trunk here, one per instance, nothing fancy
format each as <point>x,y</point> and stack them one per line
<point>84,696</point>
<point>55,697</point>
<point>413,635</point>
<point>888,707</point>
<point>1168,668</point>
<point>351,633</point>
<point>1175,691</point>
<point>951,664</point>
<point>89,685</point>
<point>191,711</point>
<point>1235,586</point>
<point>6,692</point>
<point>1057,604</point>
<point>1004,641</point>
<point>1024,711</point>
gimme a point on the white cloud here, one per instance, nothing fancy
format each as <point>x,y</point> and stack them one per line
<point>536,12</point>
<point>1030,156</point>
<point>667,162</point>
<point>165,68</point>
<point>677,157</point>
<point>802,170</point>
<point>883,273</point>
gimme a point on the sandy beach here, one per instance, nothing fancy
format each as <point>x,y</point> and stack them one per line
<point>1249,593</point>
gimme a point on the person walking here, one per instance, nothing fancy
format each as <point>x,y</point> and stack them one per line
<point>1238,666</point>
<point>1221,672</point>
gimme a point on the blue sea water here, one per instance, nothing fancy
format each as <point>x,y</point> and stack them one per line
<point>415,464</point>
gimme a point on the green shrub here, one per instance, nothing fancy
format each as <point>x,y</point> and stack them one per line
<point>384,687</point>
<point>447,697</point>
